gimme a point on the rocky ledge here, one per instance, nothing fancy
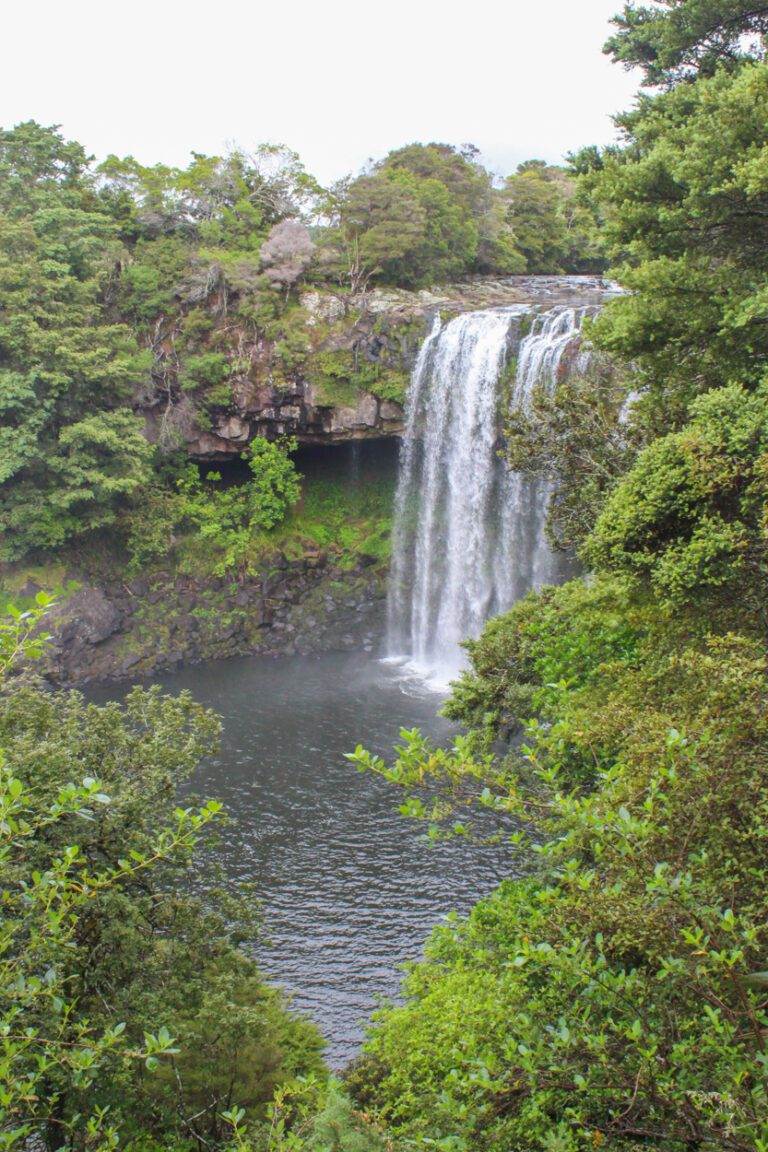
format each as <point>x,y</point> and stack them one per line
<point>141,627</point>
<point>348,368</point>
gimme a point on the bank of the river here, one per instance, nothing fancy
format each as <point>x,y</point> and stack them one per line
<point>317,585</point>
<point>145,626</point>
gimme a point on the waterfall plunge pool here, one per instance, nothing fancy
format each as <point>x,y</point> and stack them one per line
<point>349,889</point>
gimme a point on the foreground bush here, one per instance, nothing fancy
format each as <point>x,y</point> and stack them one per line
<point>128,1011</point>
<point>618,997</point>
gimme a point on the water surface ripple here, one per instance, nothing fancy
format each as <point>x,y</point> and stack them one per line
<point>349,888</point>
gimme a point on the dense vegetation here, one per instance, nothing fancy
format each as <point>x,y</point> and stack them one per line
<point>616,727</point>
<point>130,1013</point>
<point>617,997</point>
<point>127,288</point>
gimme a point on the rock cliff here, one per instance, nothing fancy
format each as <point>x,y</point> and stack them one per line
<point>336,367</point>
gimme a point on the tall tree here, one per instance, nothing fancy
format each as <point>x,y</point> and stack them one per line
<point>686,204</point>
<point>61,352</point>
<point>674,40</point>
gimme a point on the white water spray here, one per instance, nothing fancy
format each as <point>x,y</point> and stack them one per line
<point>469,536</point>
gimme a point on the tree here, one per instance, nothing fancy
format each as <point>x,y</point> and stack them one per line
<point>534,216</point>
<point>674,40</point>
<point>102,463</point>
<point>48,1041</point>
<point>465,178</point>
<point>498,252</point>
<point>60,355</point>
<point>229,200</point>
<point>689,519</point>
<point>286,253</point>
<point>472,190</point>
<point>425,213</point>
<point>381,222</point>
<point>109,967</point>
<point>617,994</point>
<point>582,437</point>
<point>686,207</point>
<point>406,228</point>
<point>553,228</point>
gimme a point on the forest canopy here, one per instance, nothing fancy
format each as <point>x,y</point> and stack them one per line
<point>124,285</point>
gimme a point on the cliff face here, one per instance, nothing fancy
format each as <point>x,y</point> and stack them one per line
<point>335,368</point>
<point>343,378</point>
<point>135,628</point>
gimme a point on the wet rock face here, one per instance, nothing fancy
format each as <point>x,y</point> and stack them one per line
<point>144,626</point>
<point>85,619</point>
<point>350,384</point>
<point>298,415</point>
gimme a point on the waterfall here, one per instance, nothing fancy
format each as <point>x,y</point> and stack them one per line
<point>469,536</point>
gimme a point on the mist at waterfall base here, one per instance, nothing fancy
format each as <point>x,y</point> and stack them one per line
<point>469,536</point>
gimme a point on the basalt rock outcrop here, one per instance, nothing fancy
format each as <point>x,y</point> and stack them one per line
<point>337,372</point>
<point>344,387</point>
<point>140,627</point>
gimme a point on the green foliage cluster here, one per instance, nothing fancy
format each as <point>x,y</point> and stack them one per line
<point>617,996</point>
<point>226,524</point>
<point>689,519</point>
<point>71,449</point>
<point>352,522</point>
<point>129,1013</point>
<point>676,40</point>
<point>686,205</point>
<point>339,377</point>
<point>427,213</point>
<point>556,229</point>
<point>619,993</point>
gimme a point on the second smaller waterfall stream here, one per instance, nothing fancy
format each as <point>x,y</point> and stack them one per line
<point>469,536</point>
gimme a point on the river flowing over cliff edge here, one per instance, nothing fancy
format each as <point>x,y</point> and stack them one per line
<point>469,536</point>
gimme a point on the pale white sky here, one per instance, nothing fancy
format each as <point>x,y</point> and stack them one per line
<point>337,80</point>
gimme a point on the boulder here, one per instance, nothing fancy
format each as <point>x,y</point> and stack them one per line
<point>85,618</point>
<point>251,395</point>
<point>322,306</point>
<point>233,428</point>
<point>342,419</point>
<point>391,410</point>
<point>367,410</point>
<point>209,447</point>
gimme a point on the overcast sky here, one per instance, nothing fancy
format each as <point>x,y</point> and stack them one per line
<point>338,81</point>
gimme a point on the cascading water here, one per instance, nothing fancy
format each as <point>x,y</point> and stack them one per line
<point>469,535</point>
